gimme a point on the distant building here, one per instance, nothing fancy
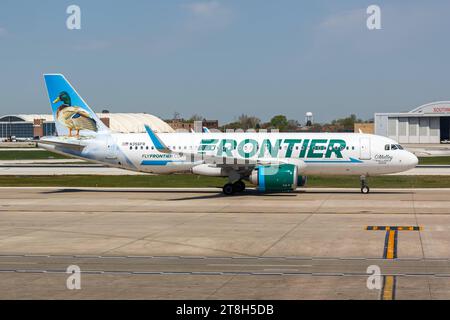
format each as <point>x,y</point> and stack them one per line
<point>429,123</point>
<point>37,125</point>
<point>27,126</point>
<point>187,125</point>
<point>211,124</point>
<point>177,124</point>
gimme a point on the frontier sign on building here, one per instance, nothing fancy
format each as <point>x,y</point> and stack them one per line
<point>433,108</point>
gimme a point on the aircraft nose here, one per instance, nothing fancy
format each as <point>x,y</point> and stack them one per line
<point>412,161</point>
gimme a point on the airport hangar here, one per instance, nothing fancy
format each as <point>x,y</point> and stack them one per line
<point>28,126</point>
<point>427,124</point>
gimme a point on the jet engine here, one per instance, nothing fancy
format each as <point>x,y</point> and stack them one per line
<point>276,178</point>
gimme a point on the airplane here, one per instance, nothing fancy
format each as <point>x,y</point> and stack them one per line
<point>272,161</point>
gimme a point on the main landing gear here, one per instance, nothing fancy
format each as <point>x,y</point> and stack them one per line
<point>364,187</point>
<point>230,188</point>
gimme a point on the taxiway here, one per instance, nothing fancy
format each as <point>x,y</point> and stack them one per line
<point>196,243</point>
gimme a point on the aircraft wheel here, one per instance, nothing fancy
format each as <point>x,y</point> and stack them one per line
<point>365,189</point>
<point>228,189</point>
<point>239,186</point>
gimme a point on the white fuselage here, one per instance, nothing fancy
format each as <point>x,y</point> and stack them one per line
<point>321,153</point>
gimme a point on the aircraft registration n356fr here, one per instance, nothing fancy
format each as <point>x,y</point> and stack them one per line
<point>272,161</point>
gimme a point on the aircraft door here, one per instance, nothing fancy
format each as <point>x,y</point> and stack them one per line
<point>112,149</point>
<point>364,149</point>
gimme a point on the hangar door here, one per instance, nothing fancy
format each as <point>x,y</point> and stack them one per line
<point>444,128</point>
<point>364,149</point>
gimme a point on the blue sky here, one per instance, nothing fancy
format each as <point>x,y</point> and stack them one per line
<point>221,58</point>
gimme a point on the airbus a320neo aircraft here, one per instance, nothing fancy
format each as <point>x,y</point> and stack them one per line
<point>272,161</point>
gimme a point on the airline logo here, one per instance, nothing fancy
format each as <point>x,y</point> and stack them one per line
<point>249,148</point>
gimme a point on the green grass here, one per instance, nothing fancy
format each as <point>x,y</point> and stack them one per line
<point>161,181</point>
<point>434,160</point>
<point>179,181</point>
<point>29,155</point>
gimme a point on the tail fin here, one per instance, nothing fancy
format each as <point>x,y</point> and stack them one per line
<point>72,115</point>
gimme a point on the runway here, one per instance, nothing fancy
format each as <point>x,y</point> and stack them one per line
<point>196,243</point>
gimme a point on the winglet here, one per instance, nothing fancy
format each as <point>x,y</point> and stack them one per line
<point>157,142</point>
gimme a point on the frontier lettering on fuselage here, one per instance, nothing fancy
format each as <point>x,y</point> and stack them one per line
<point>248,148</point>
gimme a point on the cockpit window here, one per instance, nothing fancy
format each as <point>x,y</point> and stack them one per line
<point>387,147</point>
<point>394,147</point>
<point>399,147</point>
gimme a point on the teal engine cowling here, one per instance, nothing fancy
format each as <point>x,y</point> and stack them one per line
<point>279,178</point>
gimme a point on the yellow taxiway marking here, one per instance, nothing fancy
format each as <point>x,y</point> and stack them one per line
<point>388,288</point>
<point>390,252</point>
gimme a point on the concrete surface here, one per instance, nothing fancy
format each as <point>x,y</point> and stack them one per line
<point>15,163</point>
<point>426,170</point>
<point>428,149</point>
<point>17,145</point>
<point>196,243</point>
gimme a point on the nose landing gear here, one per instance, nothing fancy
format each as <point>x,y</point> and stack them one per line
<point>364,187</point>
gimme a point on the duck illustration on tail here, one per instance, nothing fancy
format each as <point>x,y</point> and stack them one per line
<point>70,111</point>
<point>73,117</point>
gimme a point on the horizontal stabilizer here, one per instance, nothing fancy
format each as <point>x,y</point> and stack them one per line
<point>67,145</point>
